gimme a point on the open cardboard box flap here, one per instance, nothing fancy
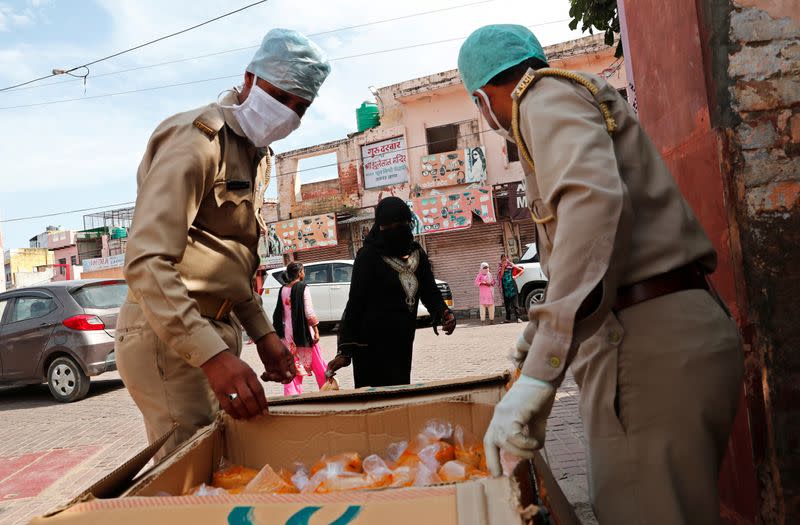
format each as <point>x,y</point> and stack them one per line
<point>484,389</point>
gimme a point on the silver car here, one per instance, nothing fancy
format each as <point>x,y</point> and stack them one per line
<point>60,333</point>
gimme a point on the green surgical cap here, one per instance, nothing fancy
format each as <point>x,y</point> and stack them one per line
<point>290,61</point>
<point>493,49</point>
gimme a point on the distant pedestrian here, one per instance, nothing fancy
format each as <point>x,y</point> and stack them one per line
<point>297,325</point>
<point>485,283</point>
<point>507,274</point>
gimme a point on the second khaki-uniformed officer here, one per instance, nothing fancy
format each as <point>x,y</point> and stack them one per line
<point>657,359</point>
<point>192,250</point>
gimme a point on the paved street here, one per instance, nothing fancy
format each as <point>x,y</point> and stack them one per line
<point>49,452</point>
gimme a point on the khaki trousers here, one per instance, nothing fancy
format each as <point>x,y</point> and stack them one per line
<point>660,384</point>
<point>163,385</point>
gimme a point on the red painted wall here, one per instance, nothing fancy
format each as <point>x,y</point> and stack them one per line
<point>670,78</point>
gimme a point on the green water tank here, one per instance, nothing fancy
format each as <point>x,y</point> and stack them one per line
<point>368,116</point>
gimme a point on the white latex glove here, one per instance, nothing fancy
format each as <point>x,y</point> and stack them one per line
<point>526,404</point>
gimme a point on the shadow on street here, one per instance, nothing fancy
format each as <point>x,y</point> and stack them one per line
<point>34,396</point>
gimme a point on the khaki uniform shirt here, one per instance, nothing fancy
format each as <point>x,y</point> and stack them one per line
<point>193,243</point>
<point>617,215</point>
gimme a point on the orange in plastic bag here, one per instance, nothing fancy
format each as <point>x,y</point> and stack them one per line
<point>235,477</point>
<point>267,481</point>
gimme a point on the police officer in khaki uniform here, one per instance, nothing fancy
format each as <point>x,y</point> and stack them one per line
<point>192,251</point>
<point>628,306</point>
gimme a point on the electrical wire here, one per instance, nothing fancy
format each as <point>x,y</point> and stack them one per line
<point>275,177</point>
<point>134,48</point>
<point>225,77</point>
<point>24,86</point>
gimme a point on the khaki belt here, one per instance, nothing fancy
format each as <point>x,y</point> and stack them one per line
<point>689,277</point>
<point>211,307</point>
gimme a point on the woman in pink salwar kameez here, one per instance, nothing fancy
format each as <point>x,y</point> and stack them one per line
<point>298,327</point>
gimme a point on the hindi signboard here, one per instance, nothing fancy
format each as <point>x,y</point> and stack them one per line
<point>385,163</point>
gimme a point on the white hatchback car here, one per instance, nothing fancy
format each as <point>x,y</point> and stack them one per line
<point>329,283</point>
<point>533,282</point>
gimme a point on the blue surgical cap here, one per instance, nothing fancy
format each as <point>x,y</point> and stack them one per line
<point>492,49</point>
<point>290,61</point>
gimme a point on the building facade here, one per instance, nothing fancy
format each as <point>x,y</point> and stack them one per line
<point>433,149</point>
<point>27,266</point>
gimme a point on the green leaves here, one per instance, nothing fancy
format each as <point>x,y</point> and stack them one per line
<point>596,14</point>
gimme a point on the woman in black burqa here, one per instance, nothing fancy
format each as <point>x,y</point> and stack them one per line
<point>392,273</point>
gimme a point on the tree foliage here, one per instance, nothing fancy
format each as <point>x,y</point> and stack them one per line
<point>596,14</point>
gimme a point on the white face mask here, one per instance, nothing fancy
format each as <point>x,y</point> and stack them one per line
<point>263,119</point>
<point>500,130</point>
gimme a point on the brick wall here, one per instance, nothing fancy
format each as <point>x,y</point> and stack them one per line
<point>763,150</point>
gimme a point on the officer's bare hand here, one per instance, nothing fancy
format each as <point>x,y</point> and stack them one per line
<point>278,360</point>
<point>236,386</point>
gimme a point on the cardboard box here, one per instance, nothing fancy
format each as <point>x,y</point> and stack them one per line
<point>304,428</point>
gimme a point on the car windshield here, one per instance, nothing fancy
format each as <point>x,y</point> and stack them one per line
<point>530,254</point>
<point>101,295</point>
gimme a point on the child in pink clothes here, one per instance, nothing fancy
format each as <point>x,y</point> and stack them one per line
<point>485,283</point>
<point>298,327</point>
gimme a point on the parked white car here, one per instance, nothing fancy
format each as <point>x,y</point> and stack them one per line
<point>329,283</point>
<point>532,282</point>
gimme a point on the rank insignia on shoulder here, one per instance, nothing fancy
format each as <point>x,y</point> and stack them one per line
<point>207,130</point>
<point>237,184</point>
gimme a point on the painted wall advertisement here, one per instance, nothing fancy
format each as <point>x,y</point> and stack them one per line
<point>452,211</point>
<point>463,166</point>
<point>385,163</point>
<point>304,233</point>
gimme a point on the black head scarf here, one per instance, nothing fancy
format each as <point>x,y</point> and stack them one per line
<point>393,242</point>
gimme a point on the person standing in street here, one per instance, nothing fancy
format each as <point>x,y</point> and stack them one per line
<point>391,275</point>
<point>507,274</point>
<point>192,250</point>
<point>657,358</point>
<point>485,283</point>
<point>298,327</point>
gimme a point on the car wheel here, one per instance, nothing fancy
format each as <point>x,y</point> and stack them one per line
<point>535,296</point>
<point>66,380</point>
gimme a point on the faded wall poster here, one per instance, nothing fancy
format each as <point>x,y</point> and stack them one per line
<point>452,211</point>
<point>300,234</point>
<point>463,166</point>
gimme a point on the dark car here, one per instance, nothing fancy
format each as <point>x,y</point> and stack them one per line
<point>60,333</point>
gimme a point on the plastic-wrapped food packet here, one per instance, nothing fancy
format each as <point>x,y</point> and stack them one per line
<point>467,449</point>
<point>233,477</point>
<point>350,461</point>
<point>438,429</point>
<point>395,451</point>
<point>426,477</point>
<point>267,481</point>
<point>403,477</point>
<point>377,471</point>
<point>300,478</point>
<point>206,490</point>
<point>455,471</point>
<point>436,454</point>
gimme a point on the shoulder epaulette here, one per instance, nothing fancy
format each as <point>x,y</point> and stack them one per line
<point>530,79</point>
<point>209,122</point>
